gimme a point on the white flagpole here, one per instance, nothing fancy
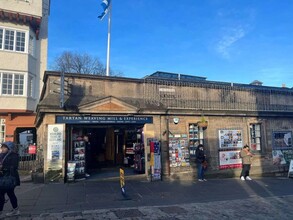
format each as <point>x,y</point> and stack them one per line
<point>109,40</point>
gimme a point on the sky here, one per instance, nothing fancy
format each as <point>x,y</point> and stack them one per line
<point>235,41</point>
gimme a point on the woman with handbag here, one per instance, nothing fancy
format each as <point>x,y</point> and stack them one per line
<point>201,162</point>
<point>8,168</point>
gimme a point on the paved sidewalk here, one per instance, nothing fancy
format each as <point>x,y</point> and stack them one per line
<point>262,198</point>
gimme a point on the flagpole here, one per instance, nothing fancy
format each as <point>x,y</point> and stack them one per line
<point>109,40</point>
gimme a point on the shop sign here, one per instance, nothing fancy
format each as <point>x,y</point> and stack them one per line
<point>32,149</point>
<point>104,120</point>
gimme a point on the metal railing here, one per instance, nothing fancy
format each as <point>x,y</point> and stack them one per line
<point>209,96</point>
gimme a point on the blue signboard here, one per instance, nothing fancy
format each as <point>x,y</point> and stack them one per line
<point>104,120</point>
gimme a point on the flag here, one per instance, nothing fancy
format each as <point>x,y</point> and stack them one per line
<point>105,4</point>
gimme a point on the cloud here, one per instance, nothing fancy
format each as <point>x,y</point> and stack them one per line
<point>228,40</point>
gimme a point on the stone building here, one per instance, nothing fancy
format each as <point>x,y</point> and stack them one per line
<point>153,125</point>
<point>23,60</point>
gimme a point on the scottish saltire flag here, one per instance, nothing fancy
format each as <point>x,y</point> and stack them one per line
<point>105,4</point>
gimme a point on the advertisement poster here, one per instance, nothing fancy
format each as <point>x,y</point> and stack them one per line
<point>155,149</point>
<point>282,147</point>
<point>230,139</point>
<point>230,159</point>
<point>55,145</point>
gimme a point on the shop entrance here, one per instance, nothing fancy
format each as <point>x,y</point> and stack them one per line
<point>97,149</point>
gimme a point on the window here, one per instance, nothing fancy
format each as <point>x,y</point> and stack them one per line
<point>9,40</point>
<point>30,87</point>
<point>18,84</point>
<point>7,84</point>
<point>255,137</point>
<point>195,135</point>
<point>2,130</point>
<point>1,38</point>
<point>20,41</point>
<point>13,40</point>
<point>12,84</point>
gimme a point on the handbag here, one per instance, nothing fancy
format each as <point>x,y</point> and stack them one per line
<point>204,164</point>
<point>7,182</point>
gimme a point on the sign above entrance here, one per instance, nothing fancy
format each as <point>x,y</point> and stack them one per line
<point>104,120</point>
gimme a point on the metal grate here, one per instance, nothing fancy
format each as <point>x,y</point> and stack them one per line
<point>129,213</point>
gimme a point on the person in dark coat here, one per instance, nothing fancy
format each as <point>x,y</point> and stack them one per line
<point>9,166</point>
<point>200,159</point>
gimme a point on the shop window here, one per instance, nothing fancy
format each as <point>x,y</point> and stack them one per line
<point>255,137</point>
<point>195,135</point>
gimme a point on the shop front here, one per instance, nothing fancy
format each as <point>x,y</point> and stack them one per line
<point>99,145</point>
<point>153,127</point>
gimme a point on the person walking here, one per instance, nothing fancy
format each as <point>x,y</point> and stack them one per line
<point>201,162</point>
<point>9,166</point>
<point>246,156</point>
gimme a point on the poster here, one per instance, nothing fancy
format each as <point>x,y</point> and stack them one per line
<point>230,138</point>
<point>71,170</point>
<point>282,147</point>
<point>178,151</point>
<point>55,145</point>
<point>155,149</point>
<point>230,159</point>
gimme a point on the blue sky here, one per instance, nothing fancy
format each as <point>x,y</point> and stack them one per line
<point>224,40</point>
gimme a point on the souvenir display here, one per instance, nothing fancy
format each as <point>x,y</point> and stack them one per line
<point>178,151</point>
<point>79,157</point>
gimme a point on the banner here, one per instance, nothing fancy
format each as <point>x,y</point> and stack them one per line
<point>55,145</point>
<point>282,147</point>
<point>230,159</point>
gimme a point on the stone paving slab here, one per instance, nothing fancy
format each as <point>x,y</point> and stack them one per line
<point>254,208</point>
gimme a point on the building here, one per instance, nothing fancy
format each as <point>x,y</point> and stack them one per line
<point>153,125</point>
<point>23,60</point>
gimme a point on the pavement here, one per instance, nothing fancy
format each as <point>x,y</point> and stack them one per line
<point>261,198</point>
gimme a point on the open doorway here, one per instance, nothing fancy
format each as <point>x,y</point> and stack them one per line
<point>98,149</point>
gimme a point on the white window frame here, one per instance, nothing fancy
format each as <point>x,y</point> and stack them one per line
<point>255,137</point>
<point>30,86</point>
<point>13,84</point>
<point>2,130</point>
<point>14,40</point>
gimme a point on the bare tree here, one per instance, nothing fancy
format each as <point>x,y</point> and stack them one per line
<point>71,62</point>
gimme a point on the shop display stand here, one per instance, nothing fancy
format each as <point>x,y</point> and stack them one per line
<point>79,158</point>
<point>139,158</point>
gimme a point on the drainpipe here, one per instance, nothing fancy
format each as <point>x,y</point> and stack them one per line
<point>167,139</point>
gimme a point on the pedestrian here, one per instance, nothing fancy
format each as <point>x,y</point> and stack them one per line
<point>246,156</point>
<point>201,162</point>
<point>9,166</point>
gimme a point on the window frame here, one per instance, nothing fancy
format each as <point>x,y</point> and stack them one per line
<point>2,130</point>
<point>11,86</point>
<point>11,41</point>
<point>255,135</point>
